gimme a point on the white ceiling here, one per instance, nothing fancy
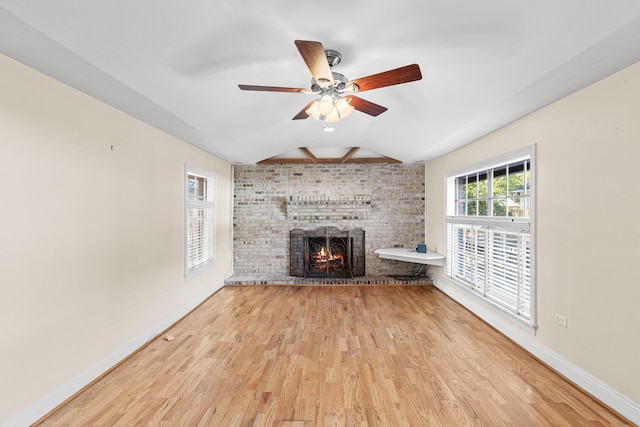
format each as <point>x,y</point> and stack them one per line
<point>176,65</point>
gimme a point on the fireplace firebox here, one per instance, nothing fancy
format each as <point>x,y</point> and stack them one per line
<point>326,252</point>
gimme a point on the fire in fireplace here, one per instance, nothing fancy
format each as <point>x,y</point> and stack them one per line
<point>327,252</point>
<point>327,256</point>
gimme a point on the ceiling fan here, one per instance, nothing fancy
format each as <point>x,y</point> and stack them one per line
<point>336,100</point>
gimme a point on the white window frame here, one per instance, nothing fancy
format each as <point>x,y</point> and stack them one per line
<point>197,259</point>
<point>494,229</point>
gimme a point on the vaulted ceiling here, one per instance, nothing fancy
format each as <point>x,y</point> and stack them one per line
<point>177,65</point>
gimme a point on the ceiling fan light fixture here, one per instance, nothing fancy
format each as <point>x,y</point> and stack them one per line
<point>333,117</point>
<point>312,111</point>
<point>343,107</point>
<point>329,109</point>
<point>325,105</point>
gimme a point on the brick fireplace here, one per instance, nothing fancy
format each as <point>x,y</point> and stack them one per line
<point>385,200</point>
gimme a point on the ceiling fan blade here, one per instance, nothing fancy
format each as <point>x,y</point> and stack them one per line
<point>408,73</point>
<point>316,60</point>
<point>273,88</point>
<point>365,106</point>
<point>303,113</point>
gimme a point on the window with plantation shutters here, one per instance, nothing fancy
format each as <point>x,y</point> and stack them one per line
<point>200,219</point>
<point>489,227</point>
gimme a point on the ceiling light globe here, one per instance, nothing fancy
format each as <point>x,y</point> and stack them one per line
<point>333,117</point>
<point>312,111</point>
<point>325,105</point>
<point>343,107</point>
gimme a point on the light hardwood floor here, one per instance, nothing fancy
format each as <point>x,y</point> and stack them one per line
<point>331,356</point>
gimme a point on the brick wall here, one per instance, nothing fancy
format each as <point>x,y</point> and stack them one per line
<point>386,200</point>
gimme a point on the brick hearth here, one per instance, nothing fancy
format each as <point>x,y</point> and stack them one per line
<point>290,280</point>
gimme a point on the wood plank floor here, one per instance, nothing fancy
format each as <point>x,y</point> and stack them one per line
<point>332,356</point>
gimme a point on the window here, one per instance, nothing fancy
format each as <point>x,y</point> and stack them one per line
<point>489,232</point>
<point>200,194</point>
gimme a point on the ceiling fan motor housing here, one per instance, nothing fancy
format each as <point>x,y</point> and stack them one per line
<point>333,57</point>
<point>339,84</point>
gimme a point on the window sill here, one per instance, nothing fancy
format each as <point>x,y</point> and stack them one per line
<point>197,270</point>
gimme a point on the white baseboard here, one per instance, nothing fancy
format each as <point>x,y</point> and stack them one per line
<point>601,391</point>
<point>58,395</point>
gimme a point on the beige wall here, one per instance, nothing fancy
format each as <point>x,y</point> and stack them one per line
<point>588,199</point>
<point>91,239</point>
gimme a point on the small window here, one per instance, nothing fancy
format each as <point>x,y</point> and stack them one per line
<point>489,233</point>
<point>496,192</point>
<point>200,195</point>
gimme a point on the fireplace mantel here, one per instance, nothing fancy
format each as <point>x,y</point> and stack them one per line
<point>328,207</point>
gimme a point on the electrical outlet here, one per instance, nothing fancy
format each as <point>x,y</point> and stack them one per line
<point>560,320</point>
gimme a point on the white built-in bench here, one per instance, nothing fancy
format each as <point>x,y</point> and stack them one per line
<point>411,255</point>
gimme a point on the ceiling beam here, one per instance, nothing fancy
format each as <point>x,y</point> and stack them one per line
<point>309,154</point>
<point>312,159</point>
<point>349,154</point>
